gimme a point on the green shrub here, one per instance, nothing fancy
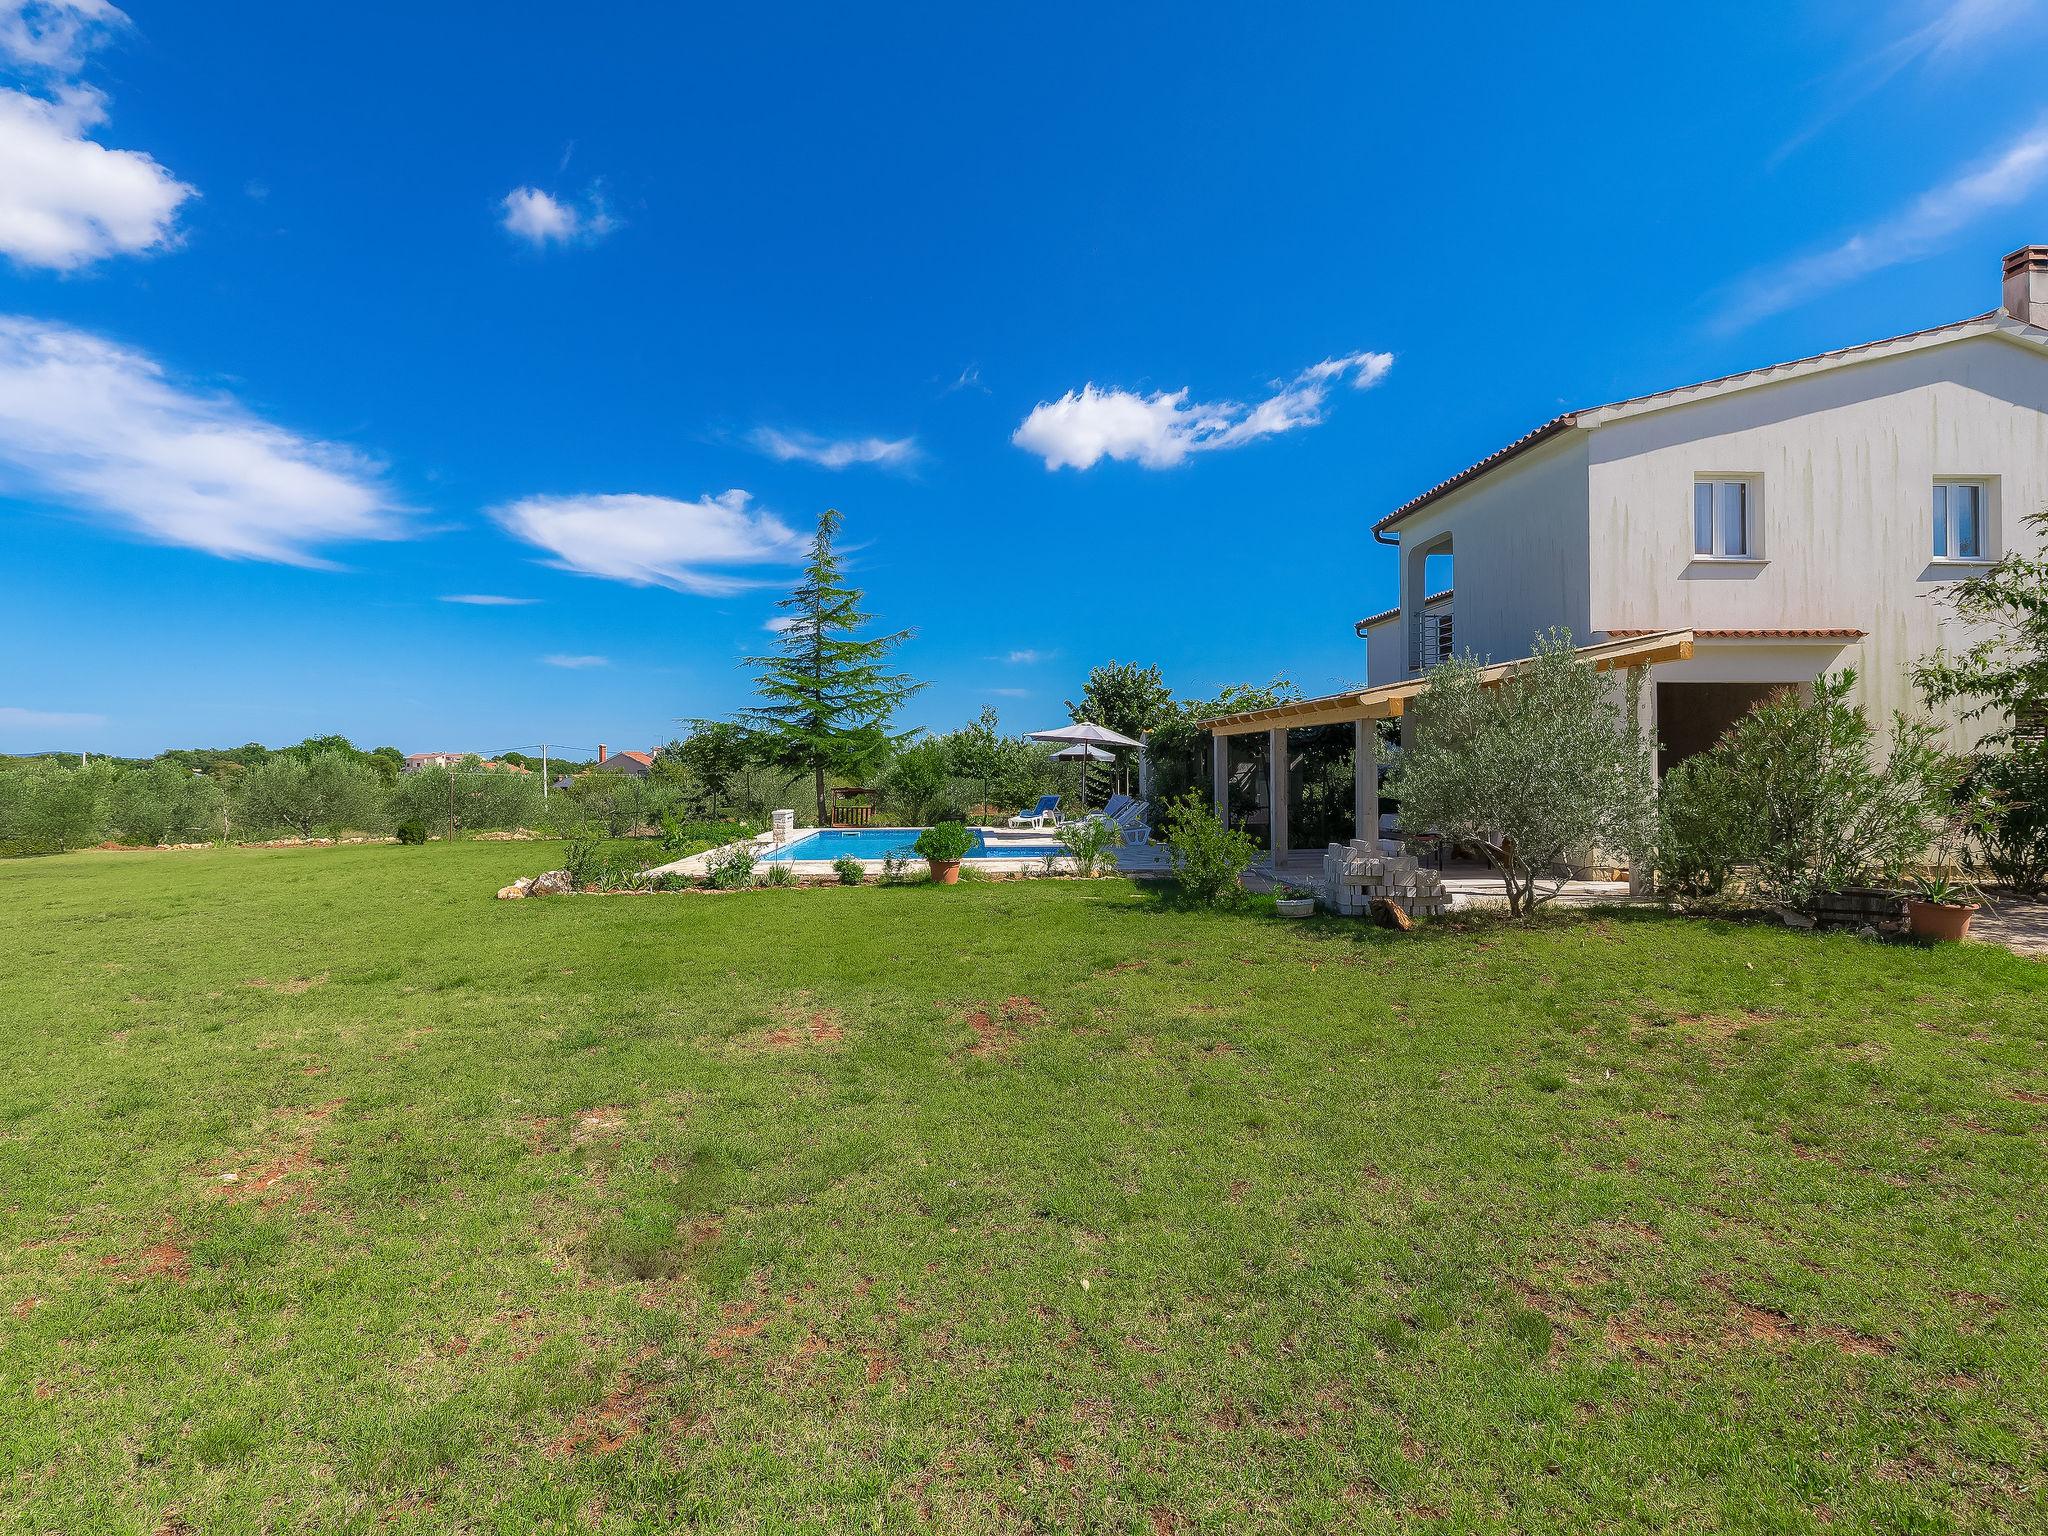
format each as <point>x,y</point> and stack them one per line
<point>583,855</point>
<point>731,870</point>
<point>1704,816</point>
<point>780,876</point>
<point>849,869</point>
<point>1091,844</point>
<point>412,832</point>
<point>947,843</point>
<point>1208,857</point>
<point>2014,785</point>
<point>49,807</point>
<point>1817,810</point>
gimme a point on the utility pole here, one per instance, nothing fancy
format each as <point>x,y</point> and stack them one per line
<point>543,771</point>
<point>451,802</point>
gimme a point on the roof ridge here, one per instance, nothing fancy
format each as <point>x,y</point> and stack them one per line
<point>1570,419</point>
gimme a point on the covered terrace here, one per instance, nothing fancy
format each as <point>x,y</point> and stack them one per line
<point>1273,769</point>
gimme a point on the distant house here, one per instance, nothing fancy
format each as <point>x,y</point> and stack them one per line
<point>415,761</point>
<point>634,764</point>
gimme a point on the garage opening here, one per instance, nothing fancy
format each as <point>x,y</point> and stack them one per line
<point>1691,717</point>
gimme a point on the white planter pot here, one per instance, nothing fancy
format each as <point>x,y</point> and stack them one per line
<point>1297,906</point>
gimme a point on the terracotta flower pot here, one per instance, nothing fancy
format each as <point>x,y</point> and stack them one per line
<point>945,871</point>
<point>1945,922</point>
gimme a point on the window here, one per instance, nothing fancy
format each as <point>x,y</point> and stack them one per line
<point>1724,520</point>
<point>1958,520</point>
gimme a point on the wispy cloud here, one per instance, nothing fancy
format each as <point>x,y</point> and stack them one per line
<point>99,428</point>
<point>1027,657</point>
<point>1941,32</point>
<point>1160,430</point>
<point>488,600</point>
<point>779,624</point>
<point>1011,693</point>
<point>55,35</point>
<point>1937,218</point>
<point>541,219</point>
<point>66,201</point>
<point>15,720</point>
<point>834,452</point>
<point>577,663</point>
<point>654,541</point>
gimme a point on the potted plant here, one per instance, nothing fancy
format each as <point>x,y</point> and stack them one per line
<point>1940,905</point>
<point>943,847</point>
<point>1292,905</point>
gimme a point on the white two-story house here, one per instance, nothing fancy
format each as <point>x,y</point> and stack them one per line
<point>1733,537</point>
<point>1797,519</point>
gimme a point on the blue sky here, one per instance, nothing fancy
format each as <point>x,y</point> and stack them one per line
<point>317,318</point>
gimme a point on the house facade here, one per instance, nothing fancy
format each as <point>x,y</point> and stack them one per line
<point>1729,538</point>
<point>1797,519</point>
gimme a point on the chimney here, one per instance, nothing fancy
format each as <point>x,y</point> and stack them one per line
<point>600,751</point>
<point>2026,285</point>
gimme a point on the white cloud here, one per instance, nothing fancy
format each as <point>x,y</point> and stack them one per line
<point>14,719</point>
<point>99,428</point>
<point>489,600</point>
<point>66,201</point>
<point>1160,430</point>
<point>1936,218</point>
<point>55,34</point>
<point>577,663</point>
<point>541,219</point>
<point>1011,693</point>
<point>833,452</point>
<point>779,624</point>
<point>654,541</point>
<point>1027,657</point>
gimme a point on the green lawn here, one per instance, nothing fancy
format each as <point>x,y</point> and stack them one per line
<point>1025,1206</point>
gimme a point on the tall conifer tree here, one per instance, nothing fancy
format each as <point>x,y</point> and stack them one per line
<point>827,694</point>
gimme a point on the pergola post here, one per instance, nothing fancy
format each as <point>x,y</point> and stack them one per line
<point>1276,791</point>
<point>1641,688</point>
<point>1365,779</point>
<point>1219,772</point>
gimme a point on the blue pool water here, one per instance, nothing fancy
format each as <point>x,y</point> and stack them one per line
<point>881,842</point>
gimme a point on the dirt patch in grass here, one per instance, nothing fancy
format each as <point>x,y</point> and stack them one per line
<point>819,1028</point>
<point>597,1124</point>
<point>618,1417</point>
<point>159,1261</point>
<point>997,1029</point>
<point>738,1321</point>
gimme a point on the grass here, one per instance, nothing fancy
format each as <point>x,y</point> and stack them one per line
<point>1014,1206</point>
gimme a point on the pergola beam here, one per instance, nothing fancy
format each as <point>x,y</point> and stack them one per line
<point>1389,701</point>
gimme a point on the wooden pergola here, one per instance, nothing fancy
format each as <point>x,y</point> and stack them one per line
<point>1364,708</point>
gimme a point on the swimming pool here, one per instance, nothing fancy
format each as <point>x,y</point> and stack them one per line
<point>878,843</point>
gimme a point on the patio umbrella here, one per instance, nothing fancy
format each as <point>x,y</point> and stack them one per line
<point>1084,753</point>
<point>1085,733</point>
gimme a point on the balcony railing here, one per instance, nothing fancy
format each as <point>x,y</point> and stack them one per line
<point>1437,646</point>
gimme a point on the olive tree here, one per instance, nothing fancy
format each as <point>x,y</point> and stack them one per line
<point>1539,769</point>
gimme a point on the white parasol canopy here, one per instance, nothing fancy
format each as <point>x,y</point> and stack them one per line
<point>1081,751</point>
<point>1088,733</point>
<point>1085,733</point>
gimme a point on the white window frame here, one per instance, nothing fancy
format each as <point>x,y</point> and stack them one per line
<point>1752,551</point>
<point>1945,553</point>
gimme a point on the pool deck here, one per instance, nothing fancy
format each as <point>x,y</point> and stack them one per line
<point>1468,885</point>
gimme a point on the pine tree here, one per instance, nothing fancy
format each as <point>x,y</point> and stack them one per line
<point>826,694</point>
